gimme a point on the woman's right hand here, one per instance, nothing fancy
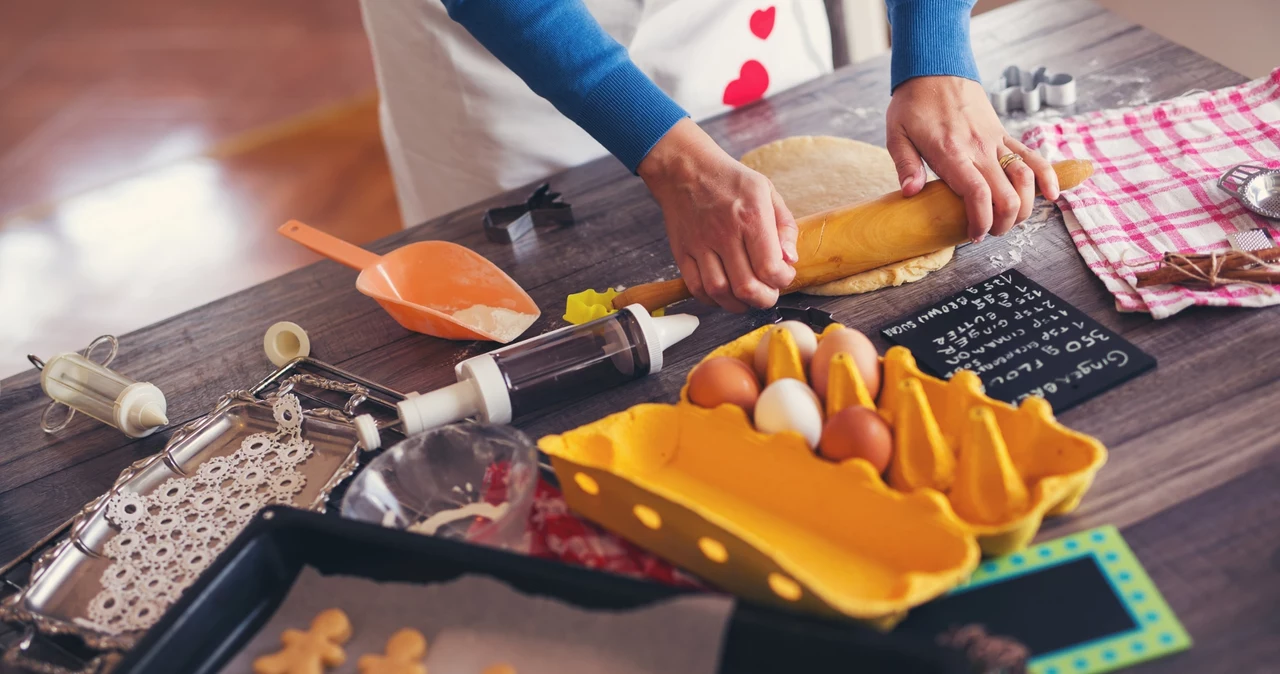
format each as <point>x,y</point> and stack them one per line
<point>731,235</point>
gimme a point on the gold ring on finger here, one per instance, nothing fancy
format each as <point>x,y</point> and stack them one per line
<point>1009,159</point>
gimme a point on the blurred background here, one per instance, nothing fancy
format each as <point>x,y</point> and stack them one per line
<point>150,148</point>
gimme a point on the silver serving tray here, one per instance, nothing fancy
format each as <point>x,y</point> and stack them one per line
<point>66,578</point>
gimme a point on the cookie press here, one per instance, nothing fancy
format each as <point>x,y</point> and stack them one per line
<point>75,381</point>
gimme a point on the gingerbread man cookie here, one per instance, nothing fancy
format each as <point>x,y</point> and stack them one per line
<point>405,651</point>
<point>309,652</point>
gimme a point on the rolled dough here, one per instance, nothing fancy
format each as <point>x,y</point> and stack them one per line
<point>818,173</point>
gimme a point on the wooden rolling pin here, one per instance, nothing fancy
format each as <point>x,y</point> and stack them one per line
<point>852,239</point>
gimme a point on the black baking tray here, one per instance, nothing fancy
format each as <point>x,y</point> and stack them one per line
<point>235,596</point>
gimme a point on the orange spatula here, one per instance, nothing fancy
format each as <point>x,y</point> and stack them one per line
<point>422,284</point>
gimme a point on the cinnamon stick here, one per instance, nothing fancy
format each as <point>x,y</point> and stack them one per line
<point>1174,267</point>
<point>1248,275</point>
<point>1255,275</point>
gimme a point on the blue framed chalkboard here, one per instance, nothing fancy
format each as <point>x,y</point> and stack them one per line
<point>1082,604</point>
<point>1021,340</point>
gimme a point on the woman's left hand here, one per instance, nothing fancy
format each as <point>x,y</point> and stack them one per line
<point>949,123</point>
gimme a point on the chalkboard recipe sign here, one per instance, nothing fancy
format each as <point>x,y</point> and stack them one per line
<point>1022,340</point>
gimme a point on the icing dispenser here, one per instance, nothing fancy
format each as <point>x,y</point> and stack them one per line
<point>566,364</point>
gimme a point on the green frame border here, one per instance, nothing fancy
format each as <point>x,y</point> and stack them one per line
<point>1159,632</point>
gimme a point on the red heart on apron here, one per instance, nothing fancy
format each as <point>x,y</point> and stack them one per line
<point>762,22</point>
<point>750,86</point>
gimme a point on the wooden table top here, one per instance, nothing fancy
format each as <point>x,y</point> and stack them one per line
<point>1193,479</point>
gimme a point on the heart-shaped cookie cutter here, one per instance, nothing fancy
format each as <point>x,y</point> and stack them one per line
<point>1030,90</point>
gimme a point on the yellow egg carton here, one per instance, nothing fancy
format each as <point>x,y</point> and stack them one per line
<point>1002,469</point>
<point>760,516</point>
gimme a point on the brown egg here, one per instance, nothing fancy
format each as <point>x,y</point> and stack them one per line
<point>857,433</point>
<point>724,380</point>
<point>855,344</point>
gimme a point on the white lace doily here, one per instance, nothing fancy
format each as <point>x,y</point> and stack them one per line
<point>169,536</point>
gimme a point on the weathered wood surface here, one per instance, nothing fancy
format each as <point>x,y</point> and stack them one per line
<point>1194,475</point>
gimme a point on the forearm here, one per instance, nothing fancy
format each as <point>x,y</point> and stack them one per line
<point>931,37</point>
<point>563,54</point>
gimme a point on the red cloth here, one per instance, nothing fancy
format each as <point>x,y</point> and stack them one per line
<point>556,533</point>
<point>1155,188</point>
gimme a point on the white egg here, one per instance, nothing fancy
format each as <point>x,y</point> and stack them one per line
<point>789,405</point>
<point>806,344</point>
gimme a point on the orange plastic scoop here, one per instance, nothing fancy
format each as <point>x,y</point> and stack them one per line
<point>425,285</point>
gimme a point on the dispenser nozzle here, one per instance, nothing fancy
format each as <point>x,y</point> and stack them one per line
<point>140,409</point>
<point>661,332</point>
<point>152,417</point>
<point>673,328</point>
<point>440,407</point>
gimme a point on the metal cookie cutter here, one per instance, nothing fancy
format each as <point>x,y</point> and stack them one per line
<point>811,316</point>
<point>1029,91</point>
<point>543,208</point>
<point>1257,187</point>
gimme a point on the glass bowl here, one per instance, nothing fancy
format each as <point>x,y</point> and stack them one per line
<point>467,481</point>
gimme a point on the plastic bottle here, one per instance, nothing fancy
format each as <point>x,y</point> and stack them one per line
<point>565,364</point>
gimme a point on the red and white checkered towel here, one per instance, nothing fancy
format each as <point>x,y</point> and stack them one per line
<point>1155,187</point>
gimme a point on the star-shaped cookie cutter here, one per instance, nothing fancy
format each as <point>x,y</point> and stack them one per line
<point>1029,90</point>
<point>543,208</point>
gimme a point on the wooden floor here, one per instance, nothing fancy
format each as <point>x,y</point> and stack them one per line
<point>149,149</point>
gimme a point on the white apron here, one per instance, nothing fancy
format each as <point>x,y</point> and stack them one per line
<point>460,127</point>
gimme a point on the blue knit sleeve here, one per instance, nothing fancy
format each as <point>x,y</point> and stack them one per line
<point>563,54</point>
<point>931,37</point>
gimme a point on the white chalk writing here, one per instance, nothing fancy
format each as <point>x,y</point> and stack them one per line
<point>1017,336</point>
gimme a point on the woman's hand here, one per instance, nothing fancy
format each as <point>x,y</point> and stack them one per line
<point>950,124</point>
<point>731,235</point>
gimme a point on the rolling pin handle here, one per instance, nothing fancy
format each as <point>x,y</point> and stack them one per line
<point>1072,172</point>
<point>653,296</point>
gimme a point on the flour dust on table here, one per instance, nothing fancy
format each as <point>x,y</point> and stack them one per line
<point>1022,237</point>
